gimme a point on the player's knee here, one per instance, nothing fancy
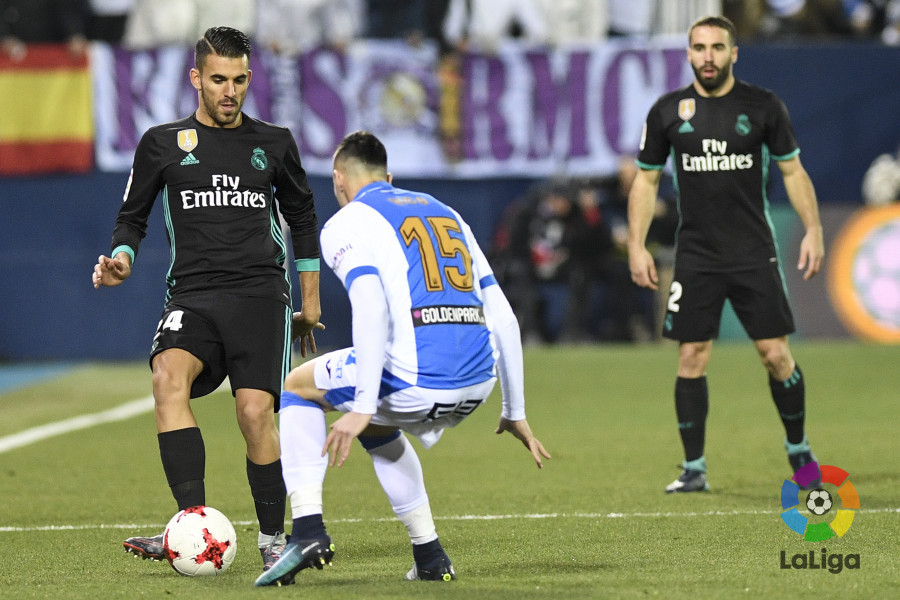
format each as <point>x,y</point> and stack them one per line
<point>693,359</point>
<point>300,381</point>
<point>256,416</point>
<point>777,359</point>
<point>168,384</point>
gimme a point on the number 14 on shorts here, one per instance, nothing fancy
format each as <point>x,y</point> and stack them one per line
<point>171,321</point>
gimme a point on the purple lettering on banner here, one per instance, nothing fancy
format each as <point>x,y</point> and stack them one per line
<point>138,77</point>
<point>127,138</point>
<point>481,107</point>
<point>612,110</point>
<point>551,96</point>
<point>675,61</point>
<point>261,88</point>
<point>322,100</point>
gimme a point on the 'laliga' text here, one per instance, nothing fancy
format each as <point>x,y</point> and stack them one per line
<point>834,563</point>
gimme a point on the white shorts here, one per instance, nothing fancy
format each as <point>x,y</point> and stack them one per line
<point>422,412</point>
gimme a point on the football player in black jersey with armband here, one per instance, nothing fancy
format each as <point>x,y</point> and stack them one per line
<point>222,175</point>
<point>722,133</point>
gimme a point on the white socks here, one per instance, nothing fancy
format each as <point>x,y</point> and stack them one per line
<point>303,434</point>
<point>397,466</point>
<point>400,474</point>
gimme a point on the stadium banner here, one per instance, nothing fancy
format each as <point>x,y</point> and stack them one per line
<point>523,110</point>
<point>47,124</point>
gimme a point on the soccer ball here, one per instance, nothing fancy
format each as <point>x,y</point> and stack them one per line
<point>200,541</point>
<point>818,502</point>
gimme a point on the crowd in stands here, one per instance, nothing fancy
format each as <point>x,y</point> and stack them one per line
<point>560,252</point>
<point>290,26</point>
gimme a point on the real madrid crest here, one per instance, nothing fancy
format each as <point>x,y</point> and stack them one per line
<point>187,139</point>
<point>259,160</point>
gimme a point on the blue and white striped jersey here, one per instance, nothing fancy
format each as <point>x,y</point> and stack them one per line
<point>432,272</point>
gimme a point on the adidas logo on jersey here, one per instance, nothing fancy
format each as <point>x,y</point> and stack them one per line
<point>190,160</point>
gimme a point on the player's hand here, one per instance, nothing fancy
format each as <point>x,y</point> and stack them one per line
<point>522,431</point>
<point>302,327</point>
<point>812,252</point>
<point>343,432</point>
<point>643,268</point>
<point>110,272</point>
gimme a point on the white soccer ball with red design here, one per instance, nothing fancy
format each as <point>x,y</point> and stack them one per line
<point>200,541</point>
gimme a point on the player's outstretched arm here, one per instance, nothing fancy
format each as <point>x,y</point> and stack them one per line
<point>110,272</point>
<point>522,432</point>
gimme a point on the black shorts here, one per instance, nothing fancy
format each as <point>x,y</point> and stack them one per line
<point>244,338</point>
<point>758,296</point>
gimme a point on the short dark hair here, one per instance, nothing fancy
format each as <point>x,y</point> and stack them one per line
<point>364,147</point>
<point>223,41</point>
<point>715,21</point>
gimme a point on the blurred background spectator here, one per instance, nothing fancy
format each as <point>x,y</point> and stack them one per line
<point>576,21</point>
<point>537,255</point>
<point>881,182</point>
<point>25,22</point>
<point>153,23</point>
<point>643,18</point>
<point>107,20</point>
<point>631,18</point>
<point>674,17</point>
<point>399,19</point>
<point>290,27</point>
<point>635,313</point>
<point>560,254</point>
<point>483,24</point>
<point>875,19</point>
<point>787,19</point>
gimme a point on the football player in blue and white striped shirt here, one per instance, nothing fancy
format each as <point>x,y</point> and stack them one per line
<point>432,332</point>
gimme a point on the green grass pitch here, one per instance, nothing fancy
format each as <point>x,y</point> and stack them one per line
<point>594,523</point>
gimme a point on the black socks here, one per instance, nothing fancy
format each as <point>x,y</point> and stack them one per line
<point>691,408</point>
<point>268,491</point>
<point>790,400</point>
<point>184,461</point>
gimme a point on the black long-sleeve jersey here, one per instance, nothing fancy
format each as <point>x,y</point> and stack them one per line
<point>721,151</point>
<point>219,189</point>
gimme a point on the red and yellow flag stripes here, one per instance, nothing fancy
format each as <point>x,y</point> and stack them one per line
<point>46,123</point>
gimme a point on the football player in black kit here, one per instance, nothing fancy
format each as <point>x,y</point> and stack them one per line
<point>721,134</point>
<point>222,175</point>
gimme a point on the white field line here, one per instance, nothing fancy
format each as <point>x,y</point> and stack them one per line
<point>590,516</point>
<point>42,432</point>
<point>119,413</point>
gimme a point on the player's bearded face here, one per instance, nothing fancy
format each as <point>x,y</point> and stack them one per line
<point>223,88</point>
<point>711,56</point>
<point>710,75</point>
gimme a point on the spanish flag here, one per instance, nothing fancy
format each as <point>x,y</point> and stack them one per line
<point>46,124</point>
